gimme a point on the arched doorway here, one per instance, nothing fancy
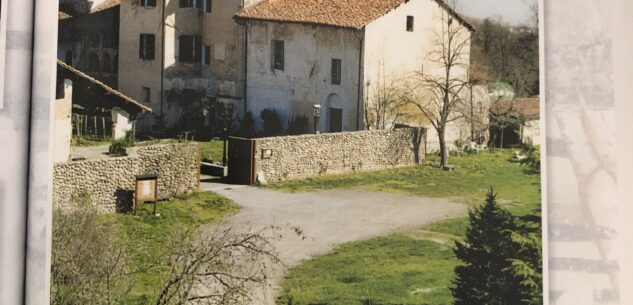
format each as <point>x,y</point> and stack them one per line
<point>334,113</point>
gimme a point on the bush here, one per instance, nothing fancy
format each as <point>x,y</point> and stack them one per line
<point>272,124</point>
<point>89,265</point>
<point>532,158</point>
<point>298,125</point>
<point>118,147</point>
<point>247,127</point>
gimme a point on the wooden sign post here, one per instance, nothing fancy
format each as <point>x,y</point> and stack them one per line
<point>146,190</point>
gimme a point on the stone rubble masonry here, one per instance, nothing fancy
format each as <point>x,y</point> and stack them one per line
<point>110,182</point>
<point>297,157</point>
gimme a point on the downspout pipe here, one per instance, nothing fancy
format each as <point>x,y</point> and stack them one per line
<point>162,68</point>
<point>361,39</point>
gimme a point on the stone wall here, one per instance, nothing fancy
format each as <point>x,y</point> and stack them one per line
<point>110,182</point>
<point>296,157</point>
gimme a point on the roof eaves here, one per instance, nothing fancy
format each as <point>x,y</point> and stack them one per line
<point>104,86</point>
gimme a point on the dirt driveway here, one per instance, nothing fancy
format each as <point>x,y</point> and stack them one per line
<point>328,218</point>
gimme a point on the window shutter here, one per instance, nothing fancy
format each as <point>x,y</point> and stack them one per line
<point>184,3</point>
<point>278,54</point>
<point>336,71</point>
<point>207,55</point>
<point>199,4</point>
<point>197,49</point>
<point>151,3</point>
<point>208,7</point>
<point>185,48</point>
<point>151,46</point>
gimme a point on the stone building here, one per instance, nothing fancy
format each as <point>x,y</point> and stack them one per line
<point>183,58</point>
<point>515,122</point>
<point>89,38</point>
<point>333,53</point>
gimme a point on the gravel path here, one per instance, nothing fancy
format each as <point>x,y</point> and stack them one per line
<point>328,218</point>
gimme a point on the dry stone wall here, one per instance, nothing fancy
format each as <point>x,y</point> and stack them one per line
<point>109,183</point>
<point>297,157</point>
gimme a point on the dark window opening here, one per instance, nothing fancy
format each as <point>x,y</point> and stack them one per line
<point>190,49</point>
<point>208,6</point>
<point>147,98</point>
<point>148,3</point>
<point>410,23</point>
<point>147,44</point>
<point>206,55</point>
<point>187,3</point>
<point>336,71</point>
<point>278,54</point>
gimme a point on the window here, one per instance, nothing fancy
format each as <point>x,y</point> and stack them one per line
<point>148,3</point>
<point>146,94</point>
<point>336,71</point>
<point>146,46</point>
<point>68,57</point>
<point>190,49</point>
<point>187,3</point>
<point>206,55</point>
<point>207,6</point>
<point>278,55</point>
<point>409,23</point>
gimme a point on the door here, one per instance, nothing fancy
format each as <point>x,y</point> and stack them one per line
<point>241,161</point>
<point>336,120</point>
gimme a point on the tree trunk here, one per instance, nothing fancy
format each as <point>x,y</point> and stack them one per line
<point>443,150</point>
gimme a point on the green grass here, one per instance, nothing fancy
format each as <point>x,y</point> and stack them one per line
<point>212,150</point>
<point>147,237</point>
<point>389,270</point>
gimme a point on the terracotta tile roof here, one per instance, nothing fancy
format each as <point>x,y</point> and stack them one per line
<point>121,96</point>
<point>105,5</point>
<point>525,107</point>
<point>354,14</point>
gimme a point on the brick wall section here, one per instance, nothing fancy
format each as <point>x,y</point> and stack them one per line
<point>110,182</point>
<point>296,157</point>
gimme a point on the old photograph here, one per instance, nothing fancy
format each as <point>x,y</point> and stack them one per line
<point>297,152</point>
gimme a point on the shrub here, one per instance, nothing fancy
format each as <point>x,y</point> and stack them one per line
<point>298,125</point>
<point>118,147</point>
<point>532,158</point>
<point>247,128</point>
<point>272,124</point>
<point>89,265</point>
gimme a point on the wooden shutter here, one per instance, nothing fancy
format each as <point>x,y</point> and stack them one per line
<point>185,48</point>
<point>151,3</point>
<point>197,49</point>
<point>151,46</point>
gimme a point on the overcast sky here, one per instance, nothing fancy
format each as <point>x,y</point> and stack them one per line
<point>515,12</point>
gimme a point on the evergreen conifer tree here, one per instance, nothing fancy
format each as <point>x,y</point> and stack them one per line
<point>486,275</point>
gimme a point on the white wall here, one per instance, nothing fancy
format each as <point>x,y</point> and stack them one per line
<point>393,53</point>
<point>63,125</point>
<point>121,123</point>
<point>532,132</point>
<point>306,79</point>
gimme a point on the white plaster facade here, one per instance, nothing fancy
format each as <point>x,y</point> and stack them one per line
<point>62,128</point>
<point>165,76</point>
<point>383,48</point>
<point>306,77</point>
<point>121,123</point>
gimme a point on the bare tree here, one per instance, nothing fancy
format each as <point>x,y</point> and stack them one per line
<point>222,267</point>
<point>385,102</point>
<point>437,94</point>
<point>502,117</point>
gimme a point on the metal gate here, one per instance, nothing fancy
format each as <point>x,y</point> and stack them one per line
<point>241,161</point>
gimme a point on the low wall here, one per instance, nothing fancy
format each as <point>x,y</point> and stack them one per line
<point>296,157</point>
<point>110,182</point>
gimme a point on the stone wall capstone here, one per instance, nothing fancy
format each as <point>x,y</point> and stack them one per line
<point>297,157</point>
<point>109,183</point>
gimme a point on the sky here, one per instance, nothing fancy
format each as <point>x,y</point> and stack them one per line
<point>515,12</point>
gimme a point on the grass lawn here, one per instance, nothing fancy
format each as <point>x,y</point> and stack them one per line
<point>413,267</point>
<point>147,237</point>
<point>212,150</point>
